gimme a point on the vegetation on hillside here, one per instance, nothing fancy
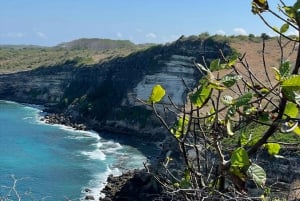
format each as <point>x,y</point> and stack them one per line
<point>80,52</point>
<point>230,119</point>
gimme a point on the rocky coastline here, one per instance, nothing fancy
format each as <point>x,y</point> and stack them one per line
<point>118,188</point>
<point>63,120</point>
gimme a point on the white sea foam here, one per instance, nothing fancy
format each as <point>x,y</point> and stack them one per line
<point>25,118</point>
<point>111,147</point>
<point>94,155</point>
<point>95,186</point>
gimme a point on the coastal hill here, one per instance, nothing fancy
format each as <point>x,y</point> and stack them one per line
<point>104,95</point>
<point>15,58</point>
<point>103,92</point>
<point>98,44</point>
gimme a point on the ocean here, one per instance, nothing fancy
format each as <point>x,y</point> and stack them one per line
<point>53,162</point>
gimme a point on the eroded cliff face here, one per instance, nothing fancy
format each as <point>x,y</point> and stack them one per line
<point>105,95</point>
<point>41,86</point>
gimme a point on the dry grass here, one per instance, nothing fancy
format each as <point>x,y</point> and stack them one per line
<point>272,53</point>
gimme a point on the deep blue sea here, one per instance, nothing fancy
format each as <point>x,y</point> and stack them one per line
<point>53,162</point>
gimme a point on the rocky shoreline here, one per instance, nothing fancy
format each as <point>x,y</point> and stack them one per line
<point>134,185</point>
<point>118,188</point>
<point>62,119</point>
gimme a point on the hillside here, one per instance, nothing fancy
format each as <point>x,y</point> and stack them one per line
<point>97,44</point>
<point>14,58</point>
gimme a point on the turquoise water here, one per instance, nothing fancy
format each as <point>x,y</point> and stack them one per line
<point>53,162</point>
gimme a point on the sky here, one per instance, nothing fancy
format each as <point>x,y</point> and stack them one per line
<point>50,22</point>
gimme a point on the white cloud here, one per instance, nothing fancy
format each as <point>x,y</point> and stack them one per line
<point>119,35</point>
<point>151,35</point>
<point>240,31</point>
<point>221,32</point>
<point>41,35</point>
<point>15,35</point>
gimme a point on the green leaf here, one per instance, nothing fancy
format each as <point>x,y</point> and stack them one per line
<point>285,69</point>
<point>240,158</point>
<point>244,137</point>
<point>157,94</point>
<point>243,100</point>
<point>290,86</point>
<point>291,110</point>
<point>180,127</point>
<point>214,65</point>
<point>284,28</point>
<point>201,96</point>
<point>297,130</point>
<point>292,83</point>
<point>258,175</point>
<point>273,148</point>
<point>230,80</point>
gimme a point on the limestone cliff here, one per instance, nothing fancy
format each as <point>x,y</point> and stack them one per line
<point>104,95</point>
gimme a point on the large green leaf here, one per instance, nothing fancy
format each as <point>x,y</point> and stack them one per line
<point>158,92</point>
<point>243,100</point>
<point>273,148</point>
<point>291,109</point>
<point>201,96</point>
<point>240,158</point>
<point>290,86</point>
<point>258,174</point>
<point>291,83</point>
<point>230,80</point>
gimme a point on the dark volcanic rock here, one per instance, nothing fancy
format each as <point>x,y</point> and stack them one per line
<point>132,186</point>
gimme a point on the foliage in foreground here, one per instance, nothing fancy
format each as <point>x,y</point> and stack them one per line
<point>228,99</point>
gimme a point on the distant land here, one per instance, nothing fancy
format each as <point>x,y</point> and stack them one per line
<point>15,58</point>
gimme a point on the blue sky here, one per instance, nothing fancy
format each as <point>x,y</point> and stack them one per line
<point>49,22</point>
